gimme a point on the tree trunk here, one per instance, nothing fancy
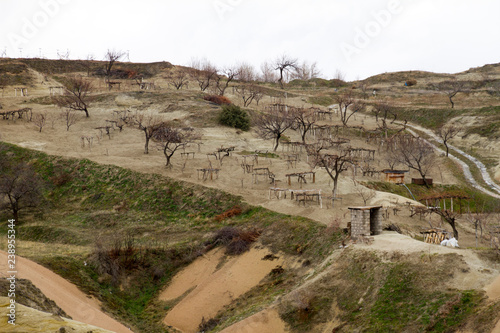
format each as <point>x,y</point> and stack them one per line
<point>86,112</point>
<point>451,222</point>
<point>146,145</point>
<point>277,142</point>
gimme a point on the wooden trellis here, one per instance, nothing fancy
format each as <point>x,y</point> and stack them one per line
<point>301,177</point>
<point>23,91</point>
<point>11,114</point>
<point>306,195</point>
<point>257,172</point>
<point>208,173</point>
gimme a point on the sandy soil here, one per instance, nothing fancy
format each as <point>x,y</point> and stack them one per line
<point>67,296</point>
<point>265,321</point>
<point>212,289</point>
<point>31,320</point>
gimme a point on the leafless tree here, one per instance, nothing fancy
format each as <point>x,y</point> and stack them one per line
<point>69,117</point>
<point>111,57</point>
<point>223,79</point>
<point>40,119</point>
<point>170,138</point>
<point>364,192</point>
<point>204,72</point>
<point>415,153</point>
<point>446,133</point>
<point>249,93</point>
<point>382,111</point>
<point>148,123</point>
<point>178,79</point>
<point>272,125</point>
<point>246,72</point>
<point>348,105</point>
<point>449,217</point>
<point>20,188</point>
<point>284,64</point>
<point>268,73</point>
<point>451,88</point>
<point>333,163</point>
<point>306,71</point>
<point>76,95</point>
<point>339,75</point>
<point>303,121</point>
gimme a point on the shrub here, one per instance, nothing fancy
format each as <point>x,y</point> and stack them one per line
<point>234,116</point>
<point>217,99</point>
<point>410,82</point>
<point>236,210</point>
<point>236,241</point>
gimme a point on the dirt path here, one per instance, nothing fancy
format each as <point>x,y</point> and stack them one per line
<point>66,295</point>
<point>468,175</point>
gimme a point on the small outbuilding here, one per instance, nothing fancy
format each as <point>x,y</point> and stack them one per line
<point>394,176</point>
<point>366,221</point>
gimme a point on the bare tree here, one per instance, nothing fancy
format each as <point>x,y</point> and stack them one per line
<point>415,153</point>
<point>223,79</point>
<point>446,133</point>
<point>348,105</point>
<point>284,64</point>
<point>88,62</point>
<point>333,163</point>
<point>111,57</point>
<point>246,72</point>
<point>21,188</point>
<point>178,79</point>
<point>339,75</point>
<point>449,217</point>
<point>364,192</point>
<point>203,72</point>
<point>170,138</point>
<point>69,117</point>
<point>40,119</point>
<point>306,71</point>
<point>268,74</point>
<point>303,121</point>
<point>451,88</point>
<point>249,93</point>
<point>382,111</point>
<point>76,95</point>
<point>148,123</point>
<point>272,125</point>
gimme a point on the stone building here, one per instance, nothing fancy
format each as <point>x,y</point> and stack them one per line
<point>366,221</point>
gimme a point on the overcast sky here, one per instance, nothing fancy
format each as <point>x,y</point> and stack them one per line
<point>359,38</point>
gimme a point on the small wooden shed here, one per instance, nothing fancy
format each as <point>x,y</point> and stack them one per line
<point>394,176</point>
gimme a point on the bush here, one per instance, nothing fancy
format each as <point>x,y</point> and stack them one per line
<point>217,99</point>
<point>410,82</point>
<point>234,116</point>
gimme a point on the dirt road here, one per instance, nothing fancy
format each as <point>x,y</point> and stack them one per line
<point>66,295</point>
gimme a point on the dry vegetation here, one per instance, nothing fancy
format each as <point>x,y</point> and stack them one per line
<point>110,201</point>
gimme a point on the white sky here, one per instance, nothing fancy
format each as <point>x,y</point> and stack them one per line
<point>358,37</point>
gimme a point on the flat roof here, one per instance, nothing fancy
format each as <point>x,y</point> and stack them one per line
<point>364,207</point>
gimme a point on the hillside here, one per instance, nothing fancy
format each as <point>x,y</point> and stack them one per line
<point>207,234</point>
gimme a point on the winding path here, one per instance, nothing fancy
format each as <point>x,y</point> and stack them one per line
<point>468,175</point>
<point>67,296</point>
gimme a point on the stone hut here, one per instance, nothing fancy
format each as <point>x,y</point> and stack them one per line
<point>366,221</point>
